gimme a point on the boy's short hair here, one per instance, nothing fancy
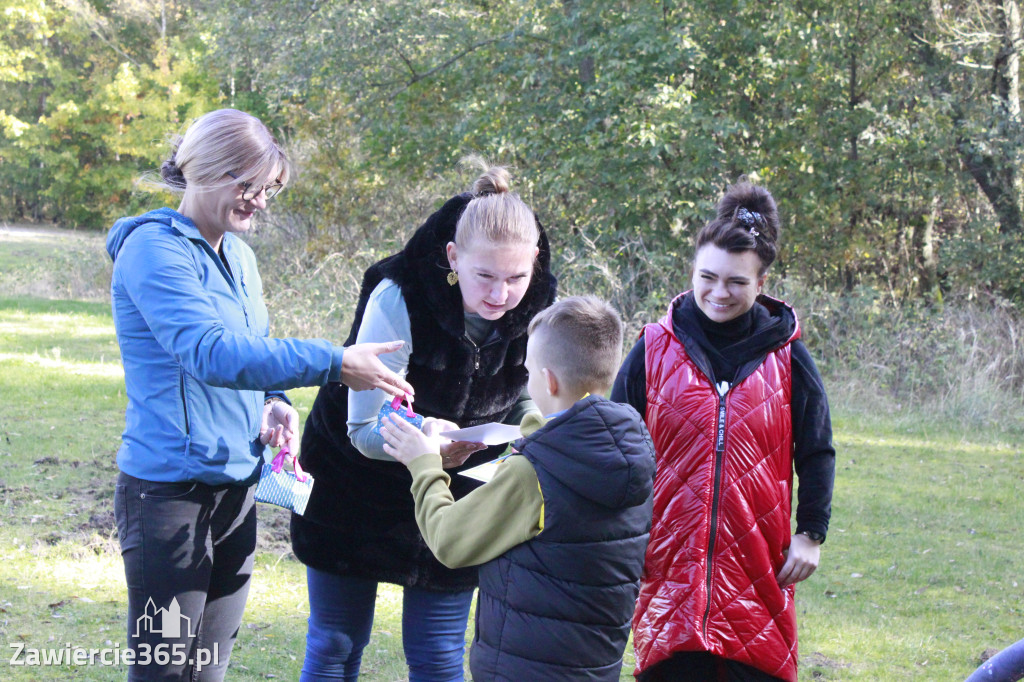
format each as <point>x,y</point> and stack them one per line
<point>582,342</point>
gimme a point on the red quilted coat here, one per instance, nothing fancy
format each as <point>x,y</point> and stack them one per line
<point>722,497</point>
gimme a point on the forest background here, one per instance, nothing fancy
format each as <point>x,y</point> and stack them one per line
<point>890,132</point>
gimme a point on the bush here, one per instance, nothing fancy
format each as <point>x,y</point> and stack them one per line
<point>312,273</point>
<point>959,362</point>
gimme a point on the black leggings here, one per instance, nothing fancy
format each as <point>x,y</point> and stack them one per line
<point>700,666</point>
<point>188,554</point>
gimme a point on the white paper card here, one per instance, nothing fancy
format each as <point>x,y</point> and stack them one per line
<point>485,472</point>
<point>488,434</point>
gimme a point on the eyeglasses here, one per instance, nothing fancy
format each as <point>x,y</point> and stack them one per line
<point>249,192</point>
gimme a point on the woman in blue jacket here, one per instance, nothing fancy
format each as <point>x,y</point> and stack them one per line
<point>205,395</point>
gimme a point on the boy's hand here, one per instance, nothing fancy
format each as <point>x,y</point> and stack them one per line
<point>454,453</point>
<point>405,442</point>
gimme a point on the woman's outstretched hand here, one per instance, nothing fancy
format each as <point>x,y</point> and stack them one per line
<point>362,370</point>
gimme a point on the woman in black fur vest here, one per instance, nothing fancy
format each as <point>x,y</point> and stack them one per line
<point>461,294</point>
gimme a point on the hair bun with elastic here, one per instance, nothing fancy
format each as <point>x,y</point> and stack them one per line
<point>171,174</point>
<point>492,180</point>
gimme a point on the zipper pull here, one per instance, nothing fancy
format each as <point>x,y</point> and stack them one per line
<point>476,351</point>
<point>723,388</point>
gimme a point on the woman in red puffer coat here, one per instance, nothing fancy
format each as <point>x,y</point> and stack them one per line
<point>734,403</point>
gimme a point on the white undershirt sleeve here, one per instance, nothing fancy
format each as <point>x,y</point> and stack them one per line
<point>386,318</point>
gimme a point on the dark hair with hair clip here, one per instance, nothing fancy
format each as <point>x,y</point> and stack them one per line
<point>746,220</point>
<point>169,170</point>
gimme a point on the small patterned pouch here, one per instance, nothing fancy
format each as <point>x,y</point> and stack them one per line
<point>284,488</point>
<point>395,407</point>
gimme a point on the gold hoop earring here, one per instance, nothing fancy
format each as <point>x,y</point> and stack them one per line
<point>453,278</point>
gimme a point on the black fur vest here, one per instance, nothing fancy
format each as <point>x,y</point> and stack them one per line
<point>360,519</point>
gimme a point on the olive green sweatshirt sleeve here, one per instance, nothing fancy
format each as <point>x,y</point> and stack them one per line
<point>504,512</point>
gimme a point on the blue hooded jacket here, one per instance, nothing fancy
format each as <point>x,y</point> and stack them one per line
<point>198,364</point>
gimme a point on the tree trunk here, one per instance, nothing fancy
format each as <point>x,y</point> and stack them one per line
<point>999,175</point>
<point>926,261</point>
<point>850,268</point>
<point>585,69</point>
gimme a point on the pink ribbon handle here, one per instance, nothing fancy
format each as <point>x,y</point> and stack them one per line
<point>396,402</point>
<point>300,475</point>
<point>279,460</point>
<point>278,464</point>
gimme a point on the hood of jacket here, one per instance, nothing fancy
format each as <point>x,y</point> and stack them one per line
<point>165,216</point>
<point>622,477</point>
<point>774,325</point>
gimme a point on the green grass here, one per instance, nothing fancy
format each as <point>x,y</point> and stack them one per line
<point>47,263</point>
<point>920,574</point>
<point>921,570</point>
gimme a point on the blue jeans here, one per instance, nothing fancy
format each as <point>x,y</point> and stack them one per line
<point>341,616</point>
<point>188,553</point>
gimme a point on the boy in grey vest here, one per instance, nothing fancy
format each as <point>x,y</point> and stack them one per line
<point>561,529</point>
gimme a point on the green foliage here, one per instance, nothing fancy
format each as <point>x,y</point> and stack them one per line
<point>90,99</point>
<point>959,362</point>
<point>890,138</point>
<point>624,121</point>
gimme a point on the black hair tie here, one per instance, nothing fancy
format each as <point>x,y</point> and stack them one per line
<point>171,173</point>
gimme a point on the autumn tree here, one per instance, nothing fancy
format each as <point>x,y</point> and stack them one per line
<point>90,97</point>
